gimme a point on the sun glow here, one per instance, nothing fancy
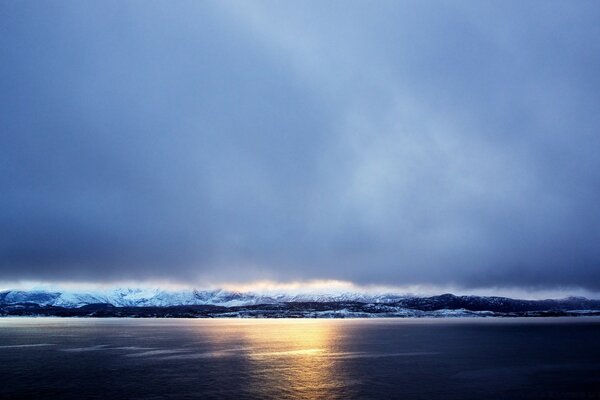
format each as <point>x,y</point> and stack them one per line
<point>319,286</point>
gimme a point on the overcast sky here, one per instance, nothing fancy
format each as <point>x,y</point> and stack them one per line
<point>389,143</point>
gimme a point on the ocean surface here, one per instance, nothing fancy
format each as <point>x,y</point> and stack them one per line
<point>54,358</point>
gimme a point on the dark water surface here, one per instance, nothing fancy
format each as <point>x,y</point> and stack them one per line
<point>280,359</point>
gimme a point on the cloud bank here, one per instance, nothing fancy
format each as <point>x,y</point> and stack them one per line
<point>397,144</point>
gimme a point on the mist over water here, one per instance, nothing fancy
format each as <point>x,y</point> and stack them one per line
<point>307,359</point>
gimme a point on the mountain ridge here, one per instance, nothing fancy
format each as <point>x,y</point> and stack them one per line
<point>219,303</point>
<point>136,297</point>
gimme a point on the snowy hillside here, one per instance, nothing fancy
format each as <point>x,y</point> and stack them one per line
<point>136,297</point>
<point>222,303</point>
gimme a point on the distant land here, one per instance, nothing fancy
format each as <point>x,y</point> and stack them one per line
<point>156,303</point>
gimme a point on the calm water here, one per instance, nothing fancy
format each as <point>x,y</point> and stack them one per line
<point>310,359</point>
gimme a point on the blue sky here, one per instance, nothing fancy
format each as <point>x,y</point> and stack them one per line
<point>389,143</point>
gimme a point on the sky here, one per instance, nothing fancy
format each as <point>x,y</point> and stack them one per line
<point>396,143</point>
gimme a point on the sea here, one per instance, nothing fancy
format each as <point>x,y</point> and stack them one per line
<point>471,358</point>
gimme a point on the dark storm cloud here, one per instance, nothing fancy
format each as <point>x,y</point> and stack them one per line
<point>432,143</point>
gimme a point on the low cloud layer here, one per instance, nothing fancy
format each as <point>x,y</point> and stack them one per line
<point>392,144</point>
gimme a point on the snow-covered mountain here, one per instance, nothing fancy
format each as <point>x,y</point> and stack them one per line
<point>137,297</point>
<point>136,302</point>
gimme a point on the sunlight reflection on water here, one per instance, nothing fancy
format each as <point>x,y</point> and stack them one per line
<point>291,356</point>
<point>286,358</point>
<point>297,359</point>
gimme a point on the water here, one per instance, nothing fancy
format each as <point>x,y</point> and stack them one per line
<point>306,359</point>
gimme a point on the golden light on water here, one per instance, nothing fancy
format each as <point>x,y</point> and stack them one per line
<point>289,358</point>
<point>299,351</point>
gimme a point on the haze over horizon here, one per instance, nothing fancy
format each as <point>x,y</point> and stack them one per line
<point>409,145</point>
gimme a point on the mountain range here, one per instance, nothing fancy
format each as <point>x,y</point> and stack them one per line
<point>136,297</point>
<point>136,302</point>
